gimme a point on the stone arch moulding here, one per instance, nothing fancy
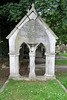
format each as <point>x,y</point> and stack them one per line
<point>46,46</point>
<point>19,47</point>
<point>32,30</point>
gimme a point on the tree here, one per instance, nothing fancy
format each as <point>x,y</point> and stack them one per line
<point>10,15</point>
<point>54,14</point>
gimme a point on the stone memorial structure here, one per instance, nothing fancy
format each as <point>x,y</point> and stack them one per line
<point>32,30</point>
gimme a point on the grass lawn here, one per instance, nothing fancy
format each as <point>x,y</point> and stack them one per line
<point>63,54</point>
<point>62,77</point>
<point>33,90</point>
<point>37,90</point>
<point>1,86</point>
<point>61,62</point>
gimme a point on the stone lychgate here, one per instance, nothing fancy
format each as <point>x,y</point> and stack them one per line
<point>32,30</point>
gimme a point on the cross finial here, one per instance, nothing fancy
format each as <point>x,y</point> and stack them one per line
<point>32,5</point>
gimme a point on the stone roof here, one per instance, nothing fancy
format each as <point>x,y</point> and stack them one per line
<point>28,15</point>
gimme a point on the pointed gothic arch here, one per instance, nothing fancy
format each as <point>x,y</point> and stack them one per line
<point>24,60</point>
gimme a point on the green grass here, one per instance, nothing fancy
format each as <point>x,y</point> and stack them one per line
<point>1,86</point>
<point>61,62</point>
<point>62,77</point>
<point>63,54</point>
<point>33,90</point>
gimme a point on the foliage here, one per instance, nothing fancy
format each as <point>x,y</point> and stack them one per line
<point>1,41</point>
<point>62,77</point>
<point>14,11</point>
<point>54,14</point>
<point>33,90</point>
<point>61,62</point>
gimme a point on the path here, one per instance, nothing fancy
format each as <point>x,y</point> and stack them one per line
<point>57,67</point>
<point>60,57</point>
<point>40,64</point>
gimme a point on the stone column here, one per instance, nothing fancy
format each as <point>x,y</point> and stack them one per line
<point>50,66</point>
<point>14,66</point>
<point>32,63</point>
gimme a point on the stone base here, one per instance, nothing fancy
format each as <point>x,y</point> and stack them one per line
<point>40,78</point>
<point>32,76</point>
<point>49,76</point>
<point>14,77</point>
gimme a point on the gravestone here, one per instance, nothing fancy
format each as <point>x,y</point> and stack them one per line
<point>57,48</point>
<point>62,48</point>
<point>66,48</point>
<point>4,66</point>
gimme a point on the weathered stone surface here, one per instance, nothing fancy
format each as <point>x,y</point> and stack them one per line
<point>57,48</point>
<point>66,48</point>
<point>62,48</point>
<point>4,66</point>
<point>32,30</point>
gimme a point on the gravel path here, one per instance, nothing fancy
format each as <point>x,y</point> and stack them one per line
<point>61,58</point>
<point>57,67</point>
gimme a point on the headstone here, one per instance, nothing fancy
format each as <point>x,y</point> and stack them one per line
<point>66,48</point>
<point>62,48</point>
<point>57,48</point>
<point>4,66</point>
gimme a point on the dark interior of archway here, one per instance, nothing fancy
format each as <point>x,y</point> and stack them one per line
<point>40,60</point>
<point>24,60</point>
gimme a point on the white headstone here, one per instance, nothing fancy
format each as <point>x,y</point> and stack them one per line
<point>4,66</point>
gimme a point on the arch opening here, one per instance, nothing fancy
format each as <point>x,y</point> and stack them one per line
<point>40,60</point>
<point>24,60</point>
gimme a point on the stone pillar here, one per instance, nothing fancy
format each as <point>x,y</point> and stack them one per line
<point>50,66</point>
<point>32,63</point>
<point>14,66</point>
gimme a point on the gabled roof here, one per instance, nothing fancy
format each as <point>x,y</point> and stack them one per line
<point>27,16</point>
